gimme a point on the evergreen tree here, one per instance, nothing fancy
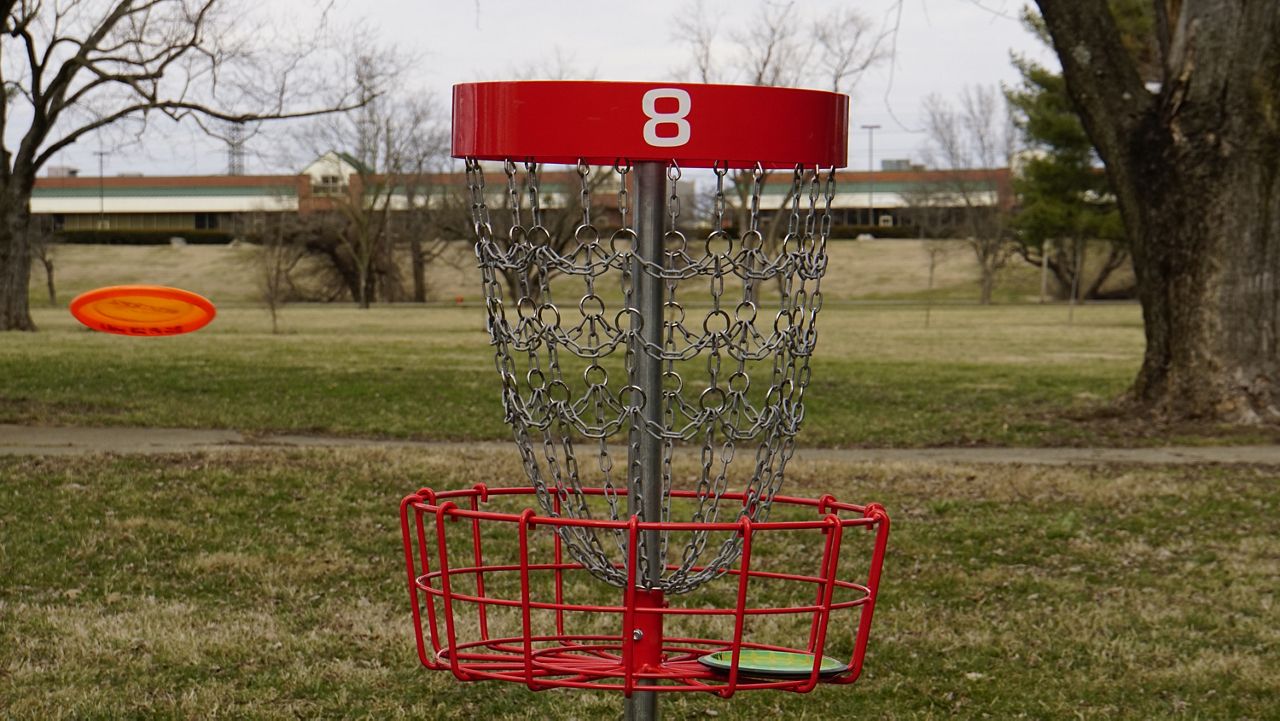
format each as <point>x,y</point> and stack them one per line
<point>1066,203</point>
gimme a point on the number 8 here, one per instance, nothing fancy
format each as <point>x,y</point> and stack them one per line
<point>683,104</point>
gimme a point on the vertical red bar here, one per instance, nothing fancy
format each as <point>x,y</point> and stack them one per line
<point>629,610</point>
<point>481,492</point>
<point>526,620</point>
<point>740,610</point>
<point>446,591</point>
<point>558,558</point>
<point>823,567</point>
<point>818,643</point>
<point>877,512</point>
<point>413,581</point>
<point>419,515</point>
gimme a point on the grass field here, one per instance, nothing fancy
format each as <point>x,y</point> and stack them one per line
<point>861,270</point>
<point>270,585</point>
<point>978,375</point>
<point>1006,375</point>
<point>1002,375</point>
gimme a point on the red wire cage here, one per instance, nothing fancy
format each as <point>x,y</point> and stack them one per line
<point>464,571</point>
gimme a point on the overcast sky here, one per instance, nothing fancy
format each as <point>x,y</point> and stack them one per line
<point>942,45</point>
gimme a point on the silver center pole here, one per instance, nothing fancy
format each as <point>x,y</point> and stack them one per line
<point>651,211</point>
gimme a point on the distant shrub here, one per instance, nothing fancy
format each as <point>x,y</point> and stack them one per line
<point>143,237</point>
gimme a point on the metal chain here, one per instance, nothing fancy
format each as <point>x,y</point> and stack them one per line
<point>558,365</point>
<point>757,181</point>
<point>717,201</point>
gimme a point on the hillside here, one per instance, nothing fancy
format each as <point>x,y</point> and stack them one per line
<point>859,270</point>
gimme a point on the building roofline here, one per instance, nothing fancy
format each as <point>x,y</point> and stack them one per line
<point>264,181</point>
<point>922,175</point>
<point>167,181</point>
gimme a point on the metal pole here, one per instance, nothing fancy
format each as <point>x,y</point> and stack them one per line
<point>102,203</point>
<point>651,211</point>
<point>871,169</point>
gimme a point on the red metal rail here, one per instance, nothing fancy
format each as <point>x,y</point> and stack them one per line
<point>460,599</point>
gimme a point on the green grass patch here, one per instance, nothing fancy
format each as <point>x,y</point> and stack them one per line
<point>975,376</point>
<point>271,585</point>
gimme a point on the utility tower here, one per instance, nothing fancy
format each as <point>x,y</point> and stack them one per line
<point>235,149</point>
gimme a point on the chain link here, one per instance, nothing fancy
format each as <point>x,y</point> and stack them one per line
<point>717,201</point>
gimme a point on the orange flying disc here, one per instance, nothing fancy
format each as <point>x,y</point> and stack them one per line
<point>142,310</point>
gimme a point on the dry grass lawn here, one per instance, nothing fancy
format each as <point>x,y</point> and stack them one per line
<point>270,585</point>
<point>859,270</point>
<point>997,375</point>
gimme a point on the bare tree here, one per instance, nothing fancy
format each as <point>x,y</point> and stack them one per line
<point>781,46</point>
<point>928,209</point>
<point>284,242</point>
<point>428,191</point>
<point>278,254</point>
<point>1068,260</point>
<point>973,143</point>
<point>559,213</point>
<point>43,248</point>
<point>396,146</point>
<point>74,67</point>
<point>934,250</point>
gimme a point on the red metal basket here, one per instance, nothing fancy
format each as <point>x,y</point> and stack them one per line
<point>503,603</point>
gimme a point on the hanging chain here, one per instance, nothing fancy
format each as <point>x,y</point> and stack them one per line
<point>757,184</point>
<point>717,200</point>
<point>584,192</point>
<point>562,368</point>
<point>513,194</point>
<point>535,184</point>
<point>479,209</point>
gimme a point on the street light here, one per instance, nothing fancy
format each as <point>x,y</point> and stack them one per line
<point>871,169</point>
<point>102,203</point>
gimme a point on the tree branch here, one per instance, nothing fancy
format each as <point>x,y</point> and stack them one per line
<point>1101,76</point>
<point>179,110</point>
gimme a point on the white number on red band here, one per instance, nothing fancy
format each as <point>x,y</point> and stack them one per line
<point>683,104</point>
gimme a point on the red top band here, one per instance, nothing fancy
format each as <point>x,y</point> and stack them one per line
<point>694,125</point>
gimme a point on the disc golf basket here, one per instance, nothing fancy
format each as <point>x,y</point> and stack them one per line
<point>654,378</point>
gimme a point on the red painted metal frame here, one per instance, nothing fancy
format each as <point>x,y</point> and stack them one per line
<point>638,651</point>
<point>695,125</point>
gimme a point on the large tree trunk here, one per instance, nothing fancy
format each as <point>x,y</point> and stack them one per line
<point>15,262</point>
<point>1194,165</point>
<point>49,285</point>
<point>987,284</point>
<point>1207,261</point>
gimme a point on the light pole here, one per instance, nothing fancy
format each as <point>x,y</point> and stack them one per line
<point>871,169</point>
<point>102,203</point>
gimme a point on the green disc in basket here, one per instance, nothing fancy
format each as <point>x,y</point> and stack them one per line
<point>784,664</point>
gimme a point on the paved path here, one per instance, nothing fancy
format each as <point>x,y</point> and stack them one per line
<point>34,440</point>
